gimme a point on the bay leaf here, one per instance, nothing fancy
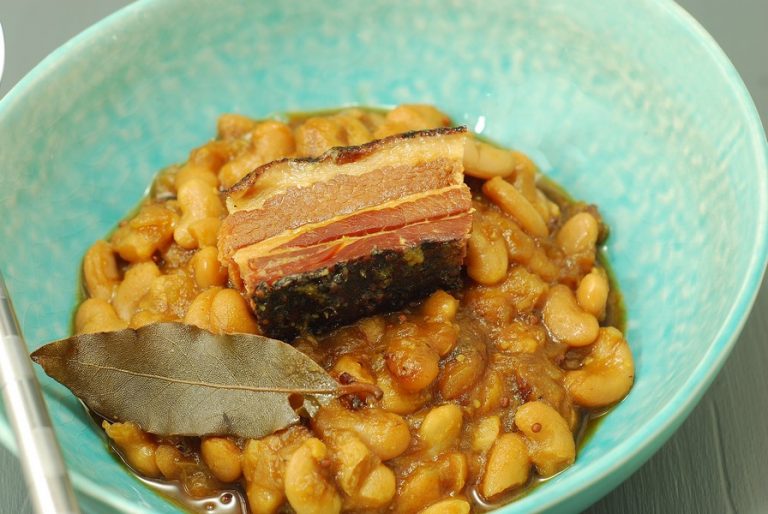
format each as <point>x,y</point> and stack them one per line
<point>176,379</point>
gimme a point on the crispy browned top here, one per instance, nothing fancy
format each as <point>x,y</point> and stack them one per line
<point>341,155</point>
<point>291,193</point>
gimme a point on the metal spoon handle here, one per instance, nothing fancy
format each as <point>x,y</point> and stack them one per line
<point>39,452</point>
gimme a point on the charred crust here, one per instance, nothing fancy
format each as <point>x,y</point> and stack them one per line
<point>384,281</point>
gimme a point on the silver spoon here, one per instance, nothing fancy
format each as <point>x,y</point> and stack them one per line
<point>39,451</point>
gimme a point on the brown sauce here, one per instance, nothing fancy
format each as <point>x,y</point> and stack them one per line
<point>489,357</point>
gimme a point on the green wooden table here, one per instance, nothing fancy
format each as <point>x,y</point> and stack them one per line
<point>718,461</point>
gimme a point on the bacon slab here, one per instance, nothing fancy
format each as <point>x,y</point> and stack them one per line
<point>315,243</point>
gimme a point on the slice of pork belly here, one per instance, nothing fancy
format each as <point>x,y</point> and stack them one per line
<point>316,243</point>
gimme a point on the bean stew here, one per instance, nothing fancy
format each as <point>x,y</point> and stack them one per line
<point>484,390</point>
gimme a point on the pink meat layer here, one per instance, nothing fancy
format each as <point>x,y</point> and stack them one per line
<point>291,261</point>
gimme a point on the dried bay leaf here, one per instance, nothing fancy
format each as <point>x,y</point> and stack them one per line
<point>175,379</point>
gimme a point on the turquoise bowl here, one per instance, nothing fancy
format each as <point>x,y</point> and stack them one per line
<point>628,104</point>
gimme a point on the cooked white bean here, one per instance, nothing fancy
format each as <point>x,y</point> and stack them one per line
<point>508,466</point>
<point>441,428</point>
<point>566,321</point>
<point>453,506</point>
<point>551,444</point>
<point>308,488</point>
<point>512,201</point>
<point>482,160</point>
<point>607,373</point>
<point>579,234</point>
<point>487,259</point>
<point>592,293</point>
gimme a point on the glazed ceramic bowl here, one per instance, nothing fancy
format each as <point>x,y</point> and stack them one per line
<point>628,104</point>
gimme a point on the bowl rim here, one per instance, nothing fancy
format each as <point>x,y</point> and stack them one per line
<point>633,451</point>
<point>2,52</point>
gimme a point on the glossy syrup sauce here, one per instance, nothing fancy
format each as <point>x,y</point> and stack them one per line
<point>231,498</point>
